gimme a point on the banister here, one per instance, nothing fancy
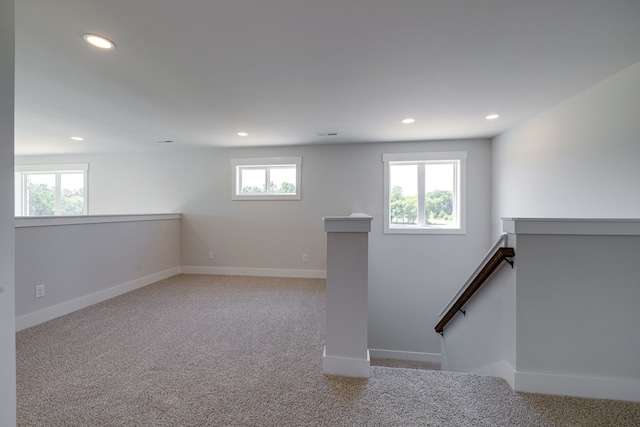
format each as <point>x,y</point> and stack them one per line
<point>502,241</point>
<point>501,254</point>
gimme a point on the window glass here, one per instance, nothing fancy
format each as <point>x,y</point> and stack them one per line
<point>404,194</point>
<point>252,181</point>
<point>44,190</point>
<point>424,193</point>
<point>283,179</point>
<point>72,193</point>
<point>41,194</point>
<point>439,194</point>
<point>269,178</point>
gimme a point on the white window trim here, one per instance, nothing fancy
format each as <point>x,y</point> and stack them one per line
<point>461,157</point>
<point>20,187</point>
<point>265,161</point>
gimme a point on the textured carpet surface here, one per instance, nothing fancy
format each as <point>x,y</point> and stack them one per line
<point>197,350</point>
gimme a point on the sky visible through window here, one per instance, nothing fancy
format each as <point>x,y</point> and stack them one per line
<point>437,177</point>
<point>71,181</point>
<point>280,175</point>
<point>40,178</point>
<point>256,178</point>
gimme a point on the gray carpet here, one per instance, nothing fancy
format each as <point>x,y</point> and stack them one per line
<point>197,350</point>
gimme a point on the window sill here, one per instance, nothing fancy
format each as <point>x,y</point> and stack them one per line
<point>422,230</point>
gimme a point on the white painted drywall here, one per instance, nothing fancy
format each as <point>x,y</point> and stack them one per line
<point>577,306</point>
<point>88,262</point>
<point>7,278</point>
<point>565,319</point>
<point>346,323</point>
<point>346,351</point>
<point>411,277</point>
<point>579,159</point>
<point>483,340</point>
<point>134,183</point>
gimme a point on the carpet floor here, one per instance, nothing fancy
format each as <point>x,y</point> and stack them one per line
<point>198,350</point>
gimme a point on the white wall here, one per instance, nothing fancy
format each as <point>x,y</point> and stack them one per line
<point>84,263</point>
<point>7,278</point>
<point>483,340</point>
<point>565,319</point>
<point>135,183</point>
<point>576,160</point>
<point>577,315</point>
<point>410,276</point>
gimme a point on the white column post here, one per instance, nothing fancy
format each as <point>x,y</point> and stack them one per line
<point>346,352</point>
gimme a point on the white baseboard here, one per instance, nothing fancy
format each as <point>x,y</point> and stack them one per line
<point>566,385</point>
<point>345,366</point>
<point>405,355</point>
<point>33,319</point>
<point>502,369</point>
<point>264,272</point>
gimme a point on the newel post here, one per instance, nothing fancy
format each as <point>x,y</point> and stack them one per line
<point>346,352</point>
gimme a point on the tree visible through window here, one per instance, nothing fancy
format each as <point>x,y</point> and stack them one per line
<point>273,178</point>
<point>424,192</point>
<point>51,190</point>
<point>280,178</point>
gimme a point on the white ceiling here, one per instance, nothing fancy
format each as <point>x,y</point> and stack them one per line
<point>199,71</point>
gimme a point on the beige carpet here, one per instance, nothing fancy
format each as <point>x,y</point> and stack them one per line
<point>197,350</point>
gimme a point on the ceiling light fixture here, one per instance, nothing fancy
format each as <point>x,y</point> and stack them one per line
<point>243,134</point>
<point>77,138</point>
<point>99,41</point>
<point>492,116</point>
<point>408,121</point>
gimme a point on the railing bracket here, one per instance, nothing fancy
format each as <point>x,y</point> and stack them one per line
<point>510,261</point>
<point>464,313</point>
<point>441,333</point>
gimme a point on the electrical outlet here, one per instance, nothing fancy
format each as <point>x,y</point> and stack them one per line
<point>39,291</point>
<point>210,255</point>
<point>305,257</point>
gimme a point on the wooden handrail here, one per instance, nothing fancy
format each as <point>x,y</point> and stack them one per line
<point>500,255</point>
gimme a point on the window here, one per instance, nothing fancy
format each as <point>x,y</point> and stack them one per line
<point>424,193</point>
<point>43,190</point>
<point>266,178</point>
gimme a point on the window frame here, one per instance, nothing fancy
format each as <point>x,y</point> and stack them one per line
<point>237,164</point>
<point>436,157</point>
<point>21,197</point>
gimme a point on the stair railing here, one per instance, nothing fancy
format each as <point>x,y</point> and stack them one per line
<point>498,253</point>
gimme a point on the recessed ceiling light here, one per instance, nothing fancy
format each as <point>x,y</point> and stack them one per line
<point>492,116</point>
<point>99,41</point>
<point>408,121</point>
<point>77,138</point>
<point>243,134</point>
